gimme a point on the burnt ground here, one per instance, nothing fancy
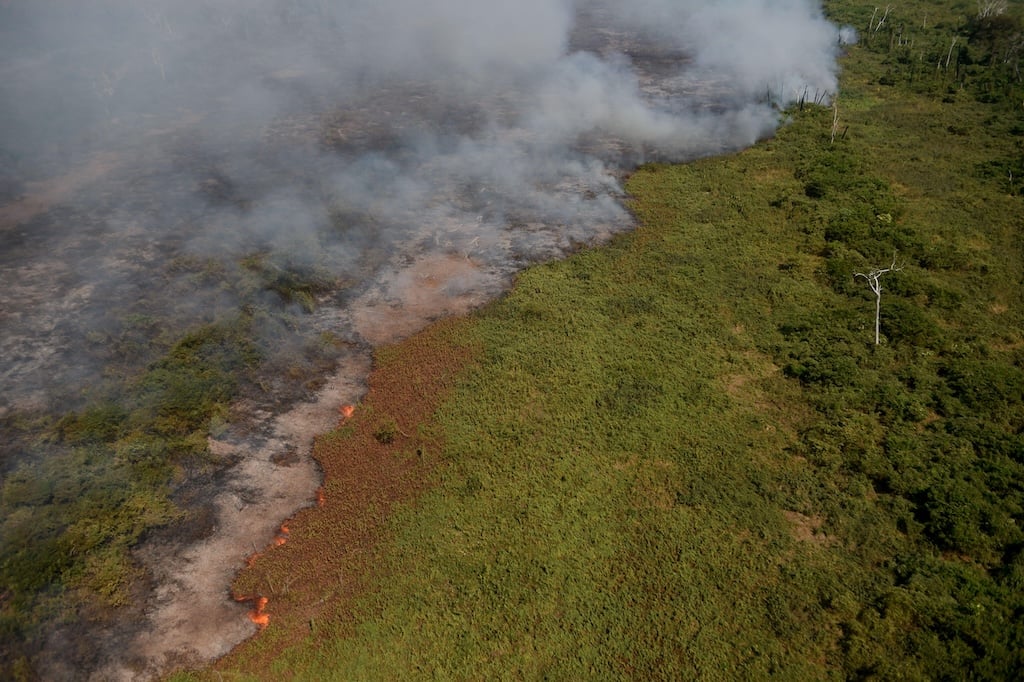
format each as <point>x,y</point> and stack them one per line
<point>365,474</point>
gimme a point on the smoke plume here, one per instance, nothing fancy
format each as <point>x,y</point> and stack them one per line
<point>165,127</point>
<point>155,154</point>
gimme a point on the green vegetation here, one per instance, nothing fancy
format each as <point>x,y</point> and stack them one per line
<point>294,284</point>
<point>79,489</point>
<point>70,519</point>
<point>682,455</point>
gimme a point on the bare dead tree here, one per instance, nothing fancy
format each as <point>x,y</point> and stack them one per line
<point>885,15</point>
<point>105,85</point>
<point>990,8</point>
<point>159,62</point>
<point>157,19</point>
<point>950,54</point>
<point>874,280</point>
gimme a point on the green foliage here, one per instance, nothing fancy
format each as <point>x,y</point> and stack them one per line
<point>386,431</point>
<point>98,424</point>
<point>87,487</point>
<point>682,456</point>
<point>293,283</point>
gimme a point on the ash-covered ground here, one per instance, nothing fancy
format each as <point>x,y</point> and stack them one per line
<point>346,168</point>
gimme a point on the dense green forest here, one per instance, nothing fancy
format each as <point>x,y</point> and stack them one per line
<point>684,455</point>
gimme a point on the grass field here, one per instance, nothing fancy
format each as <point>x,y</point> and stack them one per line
<point>682,455</point>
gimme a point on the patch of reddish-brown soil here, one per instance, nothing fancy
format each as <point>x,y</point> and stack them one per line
<point>377,458</point>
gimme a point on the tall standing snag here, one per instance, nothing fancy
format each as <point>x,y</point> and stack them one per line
<point>874,278</point>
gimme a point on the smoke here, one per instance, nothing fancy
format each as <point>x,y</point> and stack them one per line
<point>341,134</point>
<point>73,67</point>
<point>158,156</point>
<point>779,45</point>
<point>148,145</point>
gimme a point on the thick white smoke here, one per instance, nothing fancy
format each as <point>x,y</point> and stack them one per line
<point>436,121</point>
<point>114,59</point>
<point>758,45</point>
<point>147,147</point>
<point>443,122</point>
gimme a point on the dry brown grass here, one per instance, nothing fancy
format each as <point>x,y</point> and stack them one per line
<point>330,551</point>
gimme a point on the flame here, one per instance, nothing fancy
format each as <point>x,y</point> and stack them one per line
<point>283,536</point>
<point>319,497</point>
<point>347,411</point>
<point>257,615</point>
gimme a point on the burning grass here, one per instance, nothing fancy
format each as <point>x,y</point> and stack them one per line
<point>336,543</point>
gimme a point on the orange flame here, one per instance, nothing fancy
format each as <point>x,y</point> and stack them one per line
<point>347,411</point>
<point>283,537</point>
<point>257,615</point>
<point>319,497</point>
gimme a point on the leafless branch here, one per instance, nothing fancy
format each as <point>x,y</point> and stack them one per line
<point>874,278</point>
<point>159,63</point>
<point>885,15</point>
<point>990,8</point>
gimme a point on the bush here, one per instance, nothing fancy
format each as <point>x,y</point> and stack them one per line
<point>387,431</point>
<point>951,512</point>
<point>991,387</point>
<point>906,323</point>
<point>98,424</point>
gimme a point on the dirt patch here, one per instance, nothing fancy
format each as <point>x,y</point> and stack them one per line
<point>807,528</point>
<point>41,195</point>
<point>411,296</point>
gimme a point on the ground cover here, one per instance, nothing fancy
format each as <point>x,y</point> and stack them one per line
<point>83,485</point>
<point>683,455</point>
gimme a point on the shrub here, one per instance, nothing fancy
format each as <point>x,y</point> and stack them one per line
<point>906,323</point>
<point>386,431</point>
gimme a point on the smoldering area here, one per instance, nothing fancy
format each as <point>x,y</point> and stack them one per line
<point>164,165</point>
